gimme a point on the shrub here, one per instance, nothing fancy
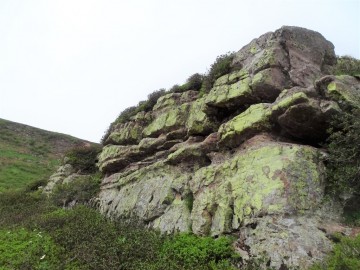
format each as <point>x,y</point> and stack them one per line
<point>83,158</point>
<point>153,98</point>
<point>24,249</point>
<point>18,207</point>
<point>344,153</point>
<point>345,256</point>
<point>220,67</point>
<point>85,236</point>
<point>125,115</point>
<point>194,82</point>
<point>80,190</point>
<point>347,65</point>
<point>191,251</point>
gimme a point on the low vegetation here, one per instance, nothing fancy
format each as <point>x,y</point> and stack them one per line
<point>83,158</point>
<point>36,234</point>
<point>345,256</point>
<point>343,163</point>
<point>347,65</point>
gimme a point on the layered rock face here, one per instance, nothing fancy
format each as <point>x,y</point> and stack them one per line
<point>243,158</point>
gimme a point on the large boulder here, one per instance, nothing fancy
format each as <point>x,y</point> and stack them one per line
<point>288,57</point>
<point>242,159</point>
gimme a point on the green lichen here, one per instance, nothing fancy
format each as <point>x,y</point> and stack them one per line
<point>341,91</point>
<point>198,122</point>
<point>266,59</point>
<point>255,118</point>
<point>230,95</point>
<point>253,183</point>
<point>222,80</point>
<point>130,132</point>
<point>170,119</point>
<point>286,102</point>
<point>253,50</point>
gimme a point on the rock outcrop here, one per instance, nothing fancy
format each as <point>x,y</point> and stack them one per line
<point>243,158</point>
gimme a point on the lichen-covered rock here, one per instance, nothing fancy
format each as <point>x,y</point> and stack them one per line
<point>116,157</point>
<point>167,121</point>
<point>236,160</point>
<point>271,63</point>
<point>128,133</point>
<point>284,241</point>
<point>198,122</point>
<point>342,89</point>
<point>303,54</point>
<point>150,194</point>
<point>175,99</point>
<point>58,177</point>
<point>267,84</point>
<point>245,125</point>
<point>273,178</point>
<point>230,95</point>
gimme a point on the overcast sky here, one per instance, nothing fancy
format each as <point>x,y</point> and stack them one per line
<point>72,66</point>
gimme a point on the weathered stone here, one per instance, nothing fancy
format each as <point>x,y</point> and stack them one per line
<point>58,177</point>
<point>128,133</point>
<point>148,193</point>
<point>116,157</point>
<point>168,121</point>
<point>174,99</point>
<point>305,121</point>
<point>229,96</point>
<point>271,179</point>
<point>267,84</point>
<point>294,242</point>
<point>198,122</point>
<point>342,89</point>
<point>245,125</point>
<point>186,172</point>
<point>303,53</point>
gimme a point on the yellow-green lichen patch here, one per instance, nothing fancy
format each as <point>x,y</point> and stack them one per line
<point>288,101</point>
<point>254,119</point>
<point>222,80</point>
<point>342,90</point>
<point>273,179</point>
<point>165,101</point>
<point>127,133</point>
<point>238,75</point>
<point>198,122</point>
<point>168,120</point>
<point>154,194</point>
<point>235,94</point>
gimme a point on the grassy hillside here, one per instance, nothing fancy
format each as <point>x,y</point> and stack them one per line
<point>28,154</point>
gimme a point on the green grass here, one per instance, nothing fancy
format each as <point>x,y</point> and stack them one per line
<point>28,154</point>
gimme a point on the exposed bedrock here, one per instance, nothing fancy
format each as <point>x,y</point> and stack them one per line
<point>243,158</point>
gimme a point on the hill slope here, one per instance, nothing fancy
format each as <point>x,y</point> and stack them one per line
<point>28,154</point>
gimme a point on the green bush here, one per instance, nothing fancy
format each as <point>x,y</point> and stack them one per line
<point>85,236</point>
<point>194,82</point>
<point>192,251</point>
<point>80,190</point>
<point>24,249</point>
<point>83,158</point>
<point>343,163</point>
<point>18,207</point>
<point>220,67</point>
<point>345,256</point>
<point>344,153</point>
<point>125,115</point>
<point>347,65</point>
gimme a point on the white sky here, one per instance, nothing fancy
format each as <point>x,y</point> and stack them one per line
<point>72,66</point>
